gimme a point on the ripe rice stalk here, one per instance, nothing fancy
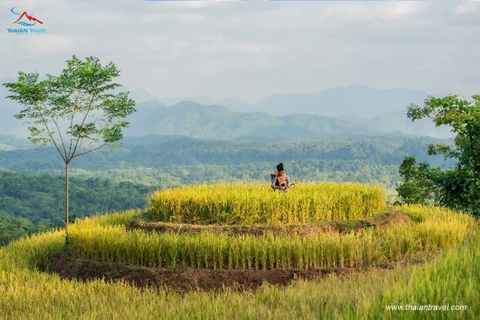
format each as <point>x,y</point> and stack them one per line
<point>363,248</point>
<point>246,204</point>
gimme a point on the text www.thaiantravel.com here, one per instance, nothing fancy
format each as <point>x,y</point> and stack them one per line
<point>428,307</point>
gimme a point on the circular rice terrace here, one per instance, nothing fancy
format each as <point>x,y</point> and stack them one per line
<point>241,235</point>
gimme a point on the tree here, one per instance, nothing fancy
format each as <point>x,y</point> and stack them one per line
<point>420,182</point>
<point>76,111</point>
<point>457,188</point>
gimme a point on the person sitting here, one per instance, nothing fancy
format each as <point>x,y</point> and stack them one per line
<point>280,180</point>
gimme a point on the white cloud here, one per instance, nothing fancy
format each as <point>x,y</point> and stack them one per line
<point>190,18</point>
<point>252,49</point>
<point>467,7</point>
<point>47,44</point>
<point>372,12</point>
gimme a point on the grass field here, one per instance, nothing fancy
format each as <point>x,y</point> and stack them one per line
<point>429,261</point>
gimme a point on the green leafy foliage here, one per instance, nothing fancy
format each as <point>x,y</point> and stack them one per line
<point>14,228</point>
<point>75,111</point>
<point>419,182</point>
<point>457,188</point>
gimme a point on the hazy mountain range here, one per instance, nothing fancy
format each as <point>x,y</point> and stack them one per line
<point>356,100</point>
<point>355,109</point>
<point>216,122</point>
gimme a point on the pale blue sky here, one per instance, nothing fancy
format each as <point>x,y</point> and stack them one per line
<point>249,50</point>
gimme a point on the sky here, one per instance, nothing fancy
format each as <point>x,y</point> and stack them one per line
<point>249,50</point>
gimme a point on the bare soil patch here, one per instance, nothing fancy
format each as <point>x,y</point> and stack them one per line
<point>181,280</point>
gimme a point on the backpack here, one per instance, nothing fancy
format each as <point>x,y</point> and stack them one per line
<point>282,181</point>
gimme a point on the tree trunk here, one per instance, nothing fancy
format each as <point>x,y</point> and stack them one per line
<point>66,203</point>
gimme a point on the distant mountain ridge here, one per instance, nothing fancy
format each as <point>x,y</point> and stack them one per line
<point>381,111</point>
<point>357,100</point>
<point>398,121</point>
<point>216,122</point>
<point>355,109</point>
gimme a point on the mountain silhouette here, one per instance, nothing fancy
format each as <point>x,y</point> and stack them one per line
<point>30,18</point>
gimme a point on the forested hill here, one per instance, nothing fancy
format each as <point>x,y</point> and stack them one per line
<point>9,142</point>
<point>167,152</point>
<point>36,203</point>
<point>215,122</point>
